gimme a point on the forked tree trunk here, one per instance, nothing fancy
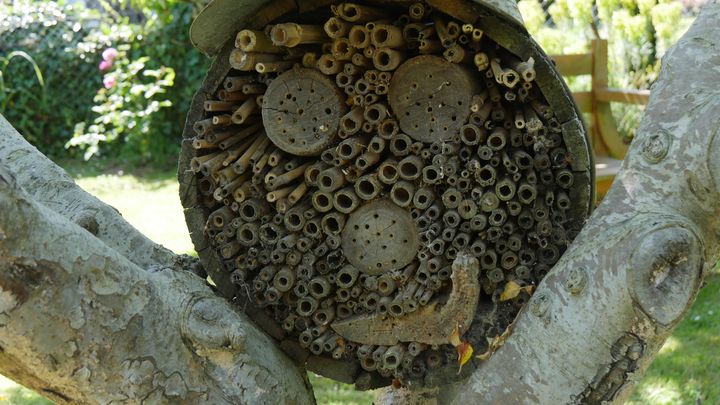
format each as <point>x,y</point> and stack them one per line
<point>92,311</point>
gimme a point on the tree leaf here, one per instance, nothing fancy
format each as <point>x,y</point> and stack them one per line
<point>465,352</point>
<point>512,289</point>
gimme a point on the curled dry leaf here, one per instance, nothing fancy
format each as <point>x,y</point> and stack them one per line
<point>512,289</point>
<point>496,342</point>
<point>464,349</point>
<point>465,352</point>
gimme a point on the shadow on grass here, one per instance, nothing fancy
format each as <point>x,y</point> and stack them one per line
<point>149,178</point>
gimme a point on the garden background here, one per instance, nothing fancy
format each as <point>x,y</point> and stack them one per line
<point>103,86</point>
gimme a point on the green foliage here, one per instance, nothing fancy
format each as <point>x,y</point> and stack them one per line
<point>74,108</point>
<point>54,36</point>
<point>125,107</point>
<point>329,392</point>
<point>141,115</point>
<point>7,92</point>
<point>639,33</point>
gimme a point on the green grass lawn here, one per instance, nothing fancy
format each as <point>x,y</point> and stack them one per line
<point>687,370</point>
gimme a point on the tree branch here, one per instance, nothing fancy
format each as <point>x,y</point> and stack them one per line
<point>81,323</point>
<point>602,313</point>
<point>51,186</point>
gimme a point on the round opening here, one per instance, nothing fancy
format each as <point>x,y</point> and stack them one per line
<point>332,224</point>
<point>431,174</point>
<point>381,35</point>
<point>373,113</point>
<point>247,235</point>
<point>316,288</point>
<point>383,58</point>
<point>294,219</point>
<point>486,174</point>
<point>358,36</point>
<point>344,278</point>
<point>345,150</point>
<point>305,306</point>
<point>312,228</point>
<point>408,169</point>
<point>389,172</point>
<point>322,200</point>
<point>350,11</point>
<point>280,35</point>
<point>366,187</point>
<point>248,211</point>
<point>401,195</point>
<point>496,141</point>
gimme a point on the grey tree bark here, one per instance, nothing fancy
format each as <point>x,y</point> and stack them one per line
<point>91,311</point>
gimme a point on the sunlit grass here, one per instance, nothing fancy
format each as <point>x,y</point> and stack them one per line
<point>329,392</point>
<point>14,394</point>
<point>687,369</point>
<point>147,199</point>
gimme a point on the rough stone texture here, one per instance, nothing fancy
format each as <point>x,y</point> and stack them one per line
<point>81,321</point>
<point>600,316</point>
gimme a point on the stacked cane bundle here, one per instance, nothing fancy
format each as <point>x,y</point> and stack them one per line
<point>432,140</point>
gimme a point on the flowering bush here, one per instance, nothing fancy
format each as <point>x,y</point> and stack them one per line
<point>86,57</point>
<point>132,93</point>
<point>140,110</point>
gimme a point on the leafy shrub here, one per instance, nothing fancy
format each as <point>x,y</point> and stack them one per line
<point>54,35</point>
<point>9,92</point>
<point>74,108</point>
<point>141,117</point>
<point>124,107</point>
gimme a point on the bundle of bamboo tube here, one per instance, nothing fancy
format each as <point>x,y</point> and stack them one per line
<point>317,127</point>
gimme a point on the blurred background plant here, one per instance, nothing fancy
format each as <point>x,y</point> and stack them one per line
<point>9,92</point>
<point>137,119</point>
<point>639,32</point>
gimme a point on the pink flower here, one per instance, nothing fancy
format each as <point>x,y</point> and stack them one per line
<point>105,65</point>
<point>110,54</point>
<point>109,81</point>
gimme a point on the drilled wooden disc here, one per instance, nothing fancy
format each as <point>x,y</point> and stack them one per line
<point>379,237</point>
<point>301,111</point>
<point>431,97</point>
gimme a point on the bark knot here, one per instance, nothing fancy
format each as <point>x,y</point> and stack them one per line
<point>625,353</point>
<point>666,272</point>
<point>656,146</point>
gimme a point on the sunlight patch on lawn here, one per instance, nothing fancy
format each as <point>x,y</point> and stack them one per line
<point>15,394</point>
<point>670,346</point>
<point>152,206</point>
<point>662,392</point>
